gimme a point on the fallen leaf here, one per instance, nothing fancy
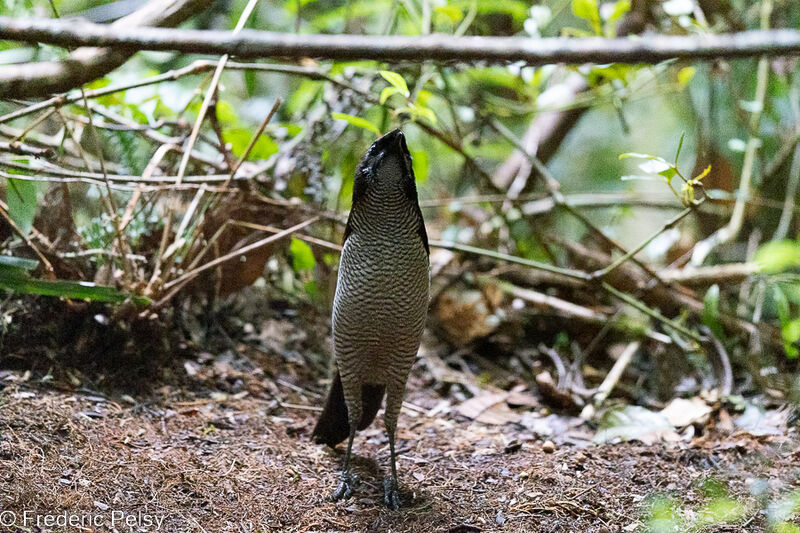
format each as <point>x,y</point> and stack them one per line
<point>681,412</point>
<point>635,423</point>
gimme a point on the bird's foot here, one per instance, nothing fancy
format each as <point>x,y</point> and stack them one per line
<point>345,488</point>
<point>391,496</point>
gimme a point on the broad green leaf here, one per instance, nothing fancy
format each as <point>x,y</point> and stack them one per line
<point>422,112</point>
<point>711,311</point>
<point>452,13</point>
<point>781,305</point>
<point>685,75</point>
<point>783,509</point>
<point>721,510</point>
<point>517,9</point>
<point>357,122</point>
<point>790,332</point>
<point>21,199</point>
<point>387,93</point>
<point>419,162</point>
<point>225,113</point>
<point>777,256</point>
<point>17,262</point>
<point>397,81</point>
<point>668,173</point>
<point>302,255</point>
<point>239,139</point>
<point>620,8</point>
<point>19,281</point>
<point>302,97</point>
<point>587,10</point>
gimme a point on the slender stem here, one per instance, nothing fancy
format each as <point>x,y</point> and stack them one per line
<point>667,226</point>
<point>633,302</point>
<point>575,274</point>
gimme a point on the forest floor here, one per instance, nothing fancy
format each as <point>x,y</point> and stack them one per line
<point>220,443</point>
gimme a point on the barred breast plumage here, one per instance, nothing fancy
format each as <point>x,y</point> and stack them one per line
<point>382,293</point>
<point>381,301</point>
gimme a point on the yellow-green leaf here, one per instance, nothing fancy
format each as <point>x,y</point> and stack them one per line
<point>396,80</point>
<point>357,122</point>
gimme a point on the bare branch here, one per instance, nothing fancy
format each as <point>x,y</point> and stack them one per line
<point>261,44</point>
<point>86,64</point>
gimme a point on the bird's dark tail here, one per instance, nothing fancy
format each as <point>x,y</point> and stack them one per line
<point>332,426</point>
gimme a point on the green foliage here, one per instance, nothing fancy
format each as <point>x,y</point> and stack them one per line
<point>15,276</point>
<point>789,322</point>
<point>656,165</point>
<point>781,511</point>
<point>605,24</point>
<point>711,311</point>
<point>778,256</point>
<point>357,122</point>
<point>302,256</point>
<point>239,139</point>
<point>666,514</point>
<point>398,85</point>
<point>589,11</point>
<point>22,204</point>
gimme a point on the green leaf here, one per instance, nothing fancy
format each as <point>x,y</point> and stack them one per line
<point>17,280</point>
<point>302,256</point>
<point>387,93</point>
<point>620,8</point>
<point>21,199</point>
<point>420,112</point>
<point>516,9</point>
<point>781,305</point>
<point>711,311</point>
<point>225,113</point>
<point>722,510</point>
<point>790,332</point>
<point>587,10</point>
<point>302,97</point>
<point>419,162</point>
<point>452,13</point>
<point>680,146</point>
<point>17,262</point>
<point>239,139</point>
<point>685,75</point>
<point>669,173</point>
<point>357,122</point>
<point>396,81</point>
<point>777,256</point>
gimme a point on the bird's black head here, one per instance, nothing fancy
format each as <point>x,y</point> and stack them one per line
<point>386,165</point>
<point>384,170</point>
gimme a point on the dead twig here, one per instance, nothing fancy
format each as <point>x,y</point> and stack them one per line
<point>610,380</point>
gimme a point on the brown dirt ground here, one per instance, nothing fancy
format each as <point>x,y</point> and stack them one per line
<point>227,450</point>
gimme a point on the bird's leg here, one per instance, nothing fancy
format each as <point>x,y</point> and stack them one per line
<point>394,400</point>
<point>345,488</point>
<point>391,496</point>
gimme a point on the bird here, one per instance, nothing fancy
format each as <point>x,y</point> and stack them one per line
<point>380,305</point>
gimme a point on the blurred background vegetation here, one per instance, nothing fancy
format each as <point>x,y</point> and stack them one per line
<point>98,210</point>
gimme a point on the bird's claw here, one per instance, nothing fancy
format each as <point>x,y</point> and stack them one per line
<point>345,488</point>
<point>391,496</point>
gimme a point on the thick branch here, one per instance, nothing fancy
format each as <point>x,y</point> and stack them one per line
<point>255,44</point>
<point>86,64</point>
